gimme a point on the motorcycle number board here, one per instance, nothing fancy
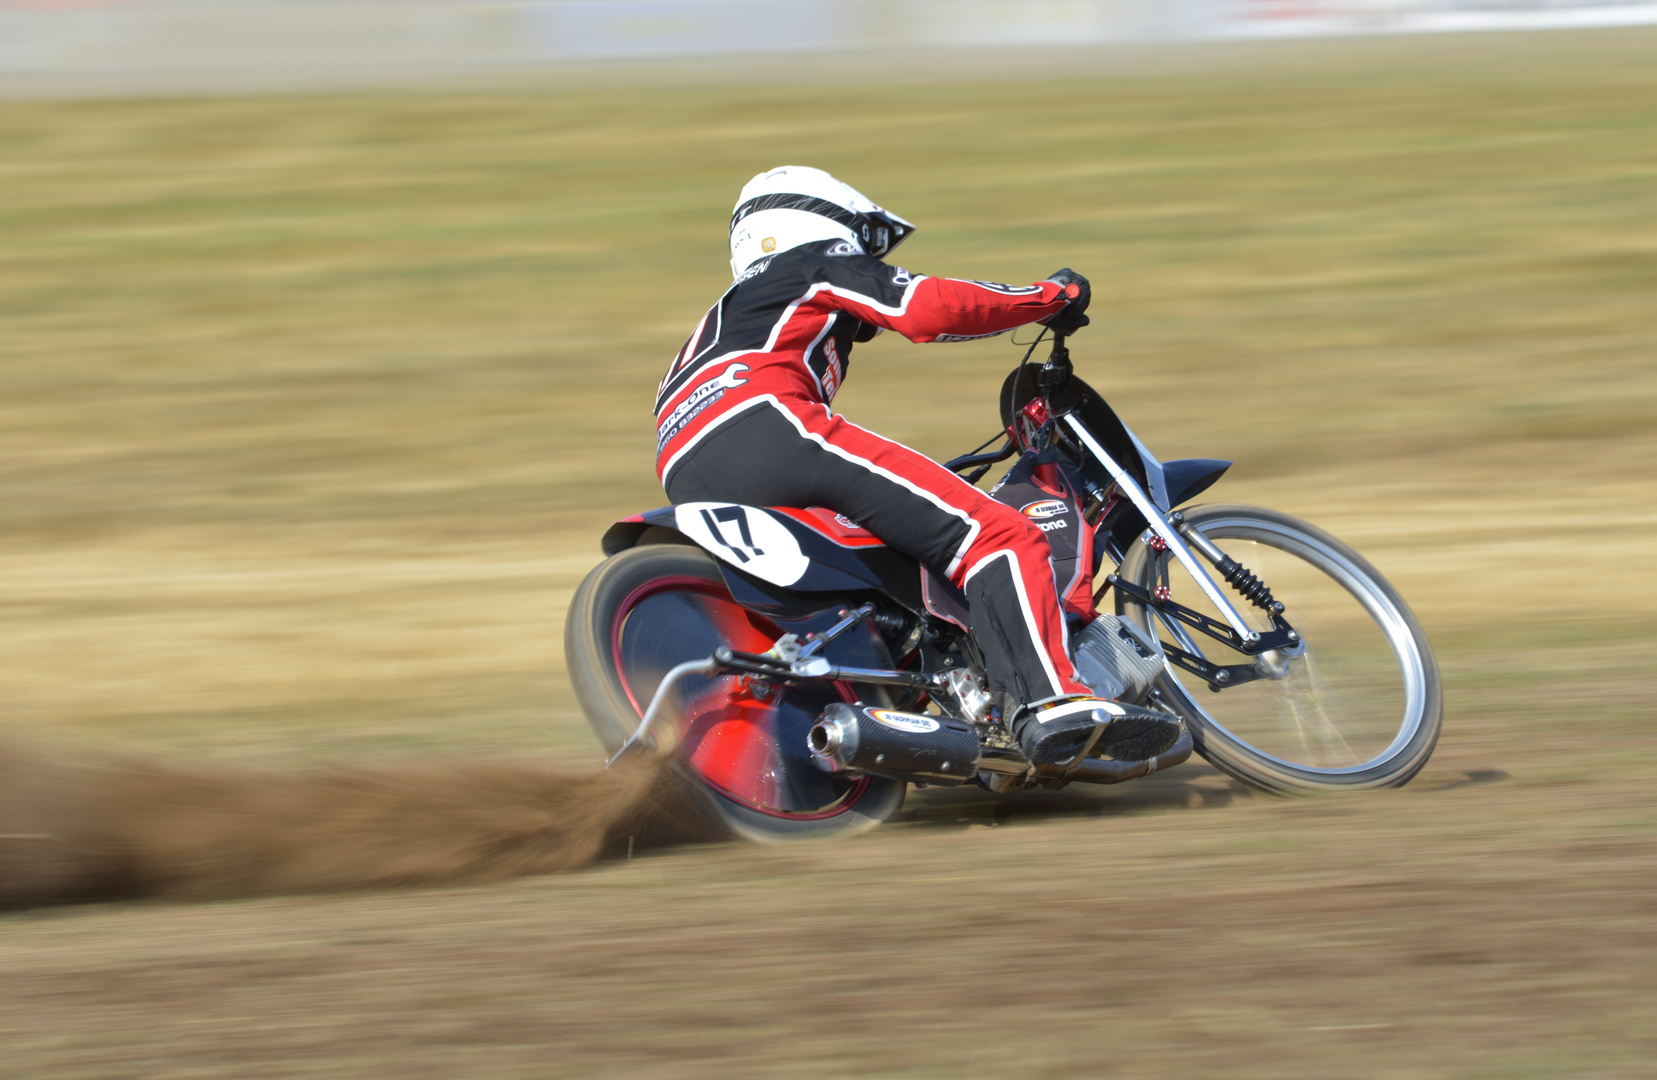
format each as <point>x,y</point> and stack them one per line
<point>746,537</point>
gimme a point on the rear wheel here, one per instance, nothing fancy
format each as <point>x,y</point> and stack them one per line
<point>647,609</point>
<point>1359,707</point>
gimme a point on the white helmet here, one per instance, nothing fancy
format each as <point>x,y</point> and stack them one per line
<point>796,205</point>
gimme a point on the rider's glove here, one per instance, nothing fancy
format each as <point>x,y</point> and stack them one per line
<point>1073,316</point>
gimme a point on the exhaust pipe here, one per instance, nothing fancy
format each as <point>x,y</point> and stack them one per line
<point>902,746</point>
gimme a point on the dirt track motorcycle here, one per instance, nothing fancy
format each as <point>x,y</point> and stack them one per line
<point>803,674</point>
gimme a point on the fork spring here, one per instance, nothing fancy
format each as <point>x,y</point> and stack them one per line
<point>1252,588</point>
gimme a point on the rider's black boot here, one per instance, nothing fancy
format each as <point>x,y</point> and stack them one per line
<point>1053,734</point>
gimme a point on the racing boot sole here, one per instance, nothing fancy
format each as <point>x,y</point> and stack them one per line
<point>1137,735</point>
<point>1056,734</point>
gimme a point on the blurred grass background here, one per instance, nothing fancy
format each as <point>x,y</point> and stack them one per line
<point>313,408</point>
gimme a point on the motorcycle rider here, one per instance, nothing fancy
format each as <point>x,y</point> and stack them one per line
<point>743,416</point>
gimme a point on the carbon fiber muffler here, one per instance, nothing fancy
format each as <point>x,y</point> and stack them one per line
<point>900,745</point>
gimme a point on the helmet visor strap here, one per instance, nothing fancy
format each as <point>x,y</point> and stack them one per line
<point>879,232</point>
<point>808,203</point>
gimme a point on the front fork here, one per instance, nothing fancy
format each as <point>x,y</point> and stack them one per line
<point>1176,536</point>
<point>1166,529</point>
<point>1271,652</point>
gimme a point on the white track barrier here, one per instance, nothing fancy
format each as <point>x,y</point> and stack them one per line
<point>208,44</point>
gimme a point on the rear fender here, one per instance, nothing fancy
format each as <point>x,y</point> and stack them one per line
<point>769,555</point>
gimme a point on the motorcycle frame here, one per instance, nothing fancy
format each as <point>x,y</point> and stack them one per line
<point>806,666</point>
<point>786,662</point>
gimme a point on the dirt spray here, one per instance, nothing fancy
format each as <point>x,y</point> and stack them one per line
<point>129,827</point>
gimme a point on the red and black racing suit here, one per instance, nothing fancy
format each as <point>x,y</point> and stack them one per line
<point>743,416</point>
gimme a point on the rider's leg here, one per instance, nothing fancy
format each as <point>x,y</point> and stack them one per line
<point>796,454</point>
<point>788,453</point>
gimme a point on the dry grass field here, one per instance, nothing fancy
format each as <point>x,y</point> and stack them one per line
<point>312,410</point>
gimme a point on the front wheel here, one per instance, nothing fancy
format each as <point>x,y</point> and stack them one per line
<point>643,611</point>
<point>1358,706</point>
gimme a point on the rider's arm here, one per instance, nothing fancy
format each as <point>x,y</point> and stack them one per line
<point>927,308</point>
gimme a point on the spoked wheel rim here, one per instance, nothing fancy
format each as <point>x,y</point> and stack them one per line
<point>1356,698</point>
<point>747,745</point>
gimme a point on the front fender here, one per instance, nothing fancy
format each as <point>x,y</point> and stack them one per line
<point>1186,478</point>
<point>1189,477</point>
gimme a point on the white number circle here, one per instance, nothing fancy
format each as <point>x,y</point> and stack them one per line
<point>746,537</point>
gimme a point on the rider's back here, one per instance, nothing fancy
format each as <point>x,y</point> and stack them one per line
<point>785,329</point>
